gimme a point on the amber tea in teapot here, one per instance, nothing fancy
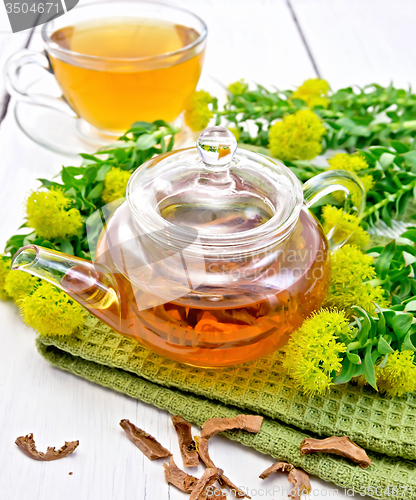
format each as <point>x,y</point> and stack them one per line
<point>213,260</point>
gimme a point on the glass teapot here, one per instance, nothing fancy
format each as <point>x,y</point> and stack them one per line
<point>213,258</point>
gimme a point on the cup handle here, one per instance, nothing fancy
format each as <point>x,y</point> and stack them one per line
<point>12,68</point>
<point>336,180</point>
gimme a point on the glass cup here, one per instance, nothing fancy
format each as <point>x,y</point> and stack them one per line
<point>117,62</point>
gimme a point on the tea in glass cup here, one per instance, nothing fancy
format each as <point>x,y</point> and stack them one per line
<point>118,62</point>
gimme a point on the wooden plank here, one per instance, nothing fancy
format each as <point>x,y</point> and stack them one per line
<point>255,40</point>
<point>360,42</point>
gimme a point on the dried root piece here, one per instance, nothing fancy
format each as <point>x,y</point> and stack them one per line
<point>250,423</point>
<point>301,483</point>
<point>283,466</point>
<point>202,445</point>
<point>146,443</point>
<point>208,479</point>
<point>27,444</point>
<point>298,478</point>
<point>342,446</point>
<point>186,443</point>
<point>176,476</point>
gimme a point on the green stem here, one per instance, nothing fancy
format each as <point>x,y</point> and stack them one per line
<point>391,198</point>
<point>257,109</point>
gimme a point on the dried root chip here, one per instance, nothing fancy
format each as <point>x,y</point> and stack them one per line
<point>146,443</point>
<point>202,446</point>
<point>186,443</point>
<point>208,478</point>
<point>278,466</point>
<point>250,423</point>
<point>176,476</point>
<point>27,444</point>
<point>217,494</point>
<point>301,483</point>
<point>342,446</point>
<point>298,478</point>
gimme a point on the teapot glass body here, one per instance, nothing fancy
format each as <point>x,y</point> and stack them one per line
<point>213,260</point>
<point>246,307</point>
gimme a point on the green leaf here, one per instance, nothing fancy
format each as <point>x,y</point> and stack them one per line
<point>407,343</point>
<point>66,247</point>
<point>410,235</point>
<point>381,326</point>
<point>347,372</point>
<point>90,174</point>
<point>383,346</point>
<point>103,171</point>
<point>93,158</point>
<point>49,184</point>
<point>410,306</point>
<point>383,262</point>
<point>96,191</point>
<point>145,141</point>
<point>399,146</point>
<point>354,358</point>
<point>369,369</point>
<point>401,323</point>
<point>386,159</point>
<point>409,158</point>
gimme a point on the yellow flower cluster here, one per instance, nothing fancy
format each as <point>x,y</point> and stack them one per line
<point>398,375</point>
<point>47,213</point>
<point>346,224</point>
<point>115,184</point>
<point>297,136</point>
<point>313,352</point>
<point>18,284</point>
<point>50,311</point>
<point>352,163</point>
<point>238,88</point>
<point>313,92</point>
<point>14,284</point>
<point>198,113</point>
<point>350,273</point>
<point>4,271</point>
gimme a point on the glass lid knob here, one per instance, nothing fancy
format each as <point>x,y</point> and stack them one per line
<point>216,146</point>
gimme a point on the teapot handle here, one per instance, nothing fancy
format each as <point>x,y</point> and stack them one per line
<point>336,180</point>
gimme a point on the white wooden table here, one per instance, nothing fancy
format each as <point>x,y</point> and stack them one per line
<point>269,41</point>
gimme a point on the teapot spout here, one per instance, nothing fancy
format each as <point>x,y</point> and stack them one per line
<point>92,285</point>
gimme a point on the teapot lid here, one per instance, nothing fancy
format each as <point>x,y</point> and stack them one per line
<point>224,192</point>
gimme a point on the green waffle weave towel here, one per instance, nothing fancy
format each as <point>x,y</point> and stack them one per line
<point>385,427</point>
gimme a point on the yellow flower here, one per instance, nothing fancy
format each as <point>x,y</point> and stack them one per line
<point>297,136</point>
<point>198,113</point>
<point>352,163</point>
<point>398,375</point>
<point>115,184</point>
<point>50,311</point>
<point>313,353</point>
<point>18,284</point>
<point>4,271</point>
<point>238,88</point>
<point>313,92</point>
<point>236,132</point>
<point>47,212</point>
<point>346,224</point>
<point>351,269</point>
